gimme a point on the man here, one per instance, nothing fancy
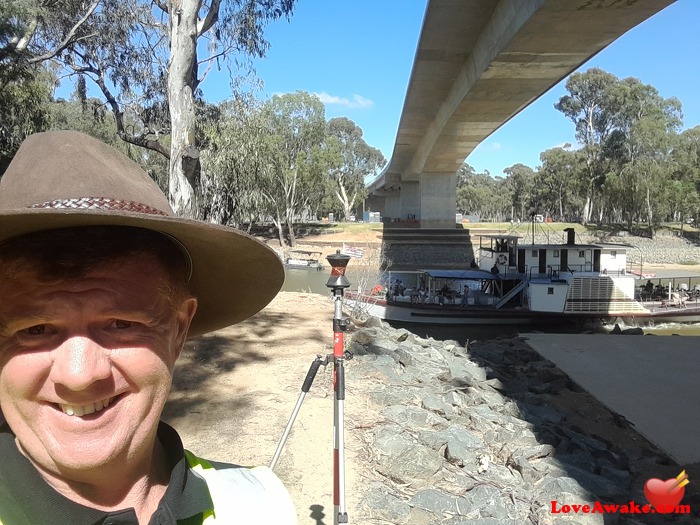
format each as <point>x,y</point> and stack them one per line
<point>101,285</point>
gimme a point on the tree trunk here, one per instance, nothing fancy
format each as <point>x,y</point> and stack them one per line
<point>277,221</point>
<point>290,231</point>
<point>184,155</point>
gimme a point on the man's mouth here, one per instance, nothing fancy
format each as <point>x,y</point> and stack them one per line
<point>84,410</point>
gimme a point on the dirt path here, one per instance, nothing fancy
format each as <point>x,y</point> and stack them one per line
<point>235,390</point>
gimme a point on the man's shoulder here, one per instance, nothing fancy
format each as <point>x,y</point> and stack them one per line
<point>250,492</point>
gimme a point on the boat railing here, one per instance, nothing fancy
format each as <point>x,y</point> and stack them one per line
<point>554,271</point>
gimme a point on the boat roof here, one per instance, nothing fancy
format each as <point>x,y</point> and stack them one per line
<point>496,236</point>
<point>572,246</point>
<point>460,274</point>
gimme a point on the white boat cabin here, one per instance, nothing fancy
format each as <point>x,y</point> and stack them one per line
<point>501,254</point>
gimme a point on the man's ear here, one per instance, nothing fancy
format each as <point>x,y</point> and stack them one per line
<point>184,316</point>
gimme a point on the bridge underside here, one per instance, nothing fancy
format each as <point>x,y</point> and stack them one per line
<point>479,63</point>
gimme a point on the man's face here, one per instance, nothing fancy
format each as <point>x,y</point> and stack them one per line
<point>86,366</point>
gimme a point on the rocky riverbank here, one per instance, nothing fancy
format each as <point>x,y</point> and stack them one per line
<point>491,433</point>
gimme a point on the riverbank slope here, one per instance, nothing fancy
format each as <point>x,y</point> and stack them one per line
<point>436,432</point>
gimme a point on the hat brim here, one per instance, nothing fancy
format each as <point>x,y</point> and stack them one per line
<point>234,275</point>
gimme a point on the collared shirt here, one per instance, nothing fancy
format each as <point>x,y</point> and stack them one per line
<point>26,499</point>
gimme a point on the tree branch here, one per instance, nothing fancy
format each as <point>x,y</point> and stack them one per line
<point>70,37</point>
<point>212,16</point>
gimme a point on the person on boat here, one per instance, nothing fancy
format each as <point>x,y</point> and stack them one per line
<point>465,296</point>
<point>444,293</point>
<point>473,264</point>
<point>495,270</point>
<point>101,286</point>
<point>649,287</point>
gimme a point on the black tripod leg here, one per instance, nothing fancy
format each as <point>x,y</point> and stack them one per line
<point>305,387</point>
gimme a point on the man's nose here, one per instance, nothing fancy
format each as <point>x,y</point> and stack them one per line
<point>79,362</point>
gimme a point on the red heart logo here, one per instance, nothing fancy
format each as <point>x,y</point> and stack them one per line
<point>661,495</point>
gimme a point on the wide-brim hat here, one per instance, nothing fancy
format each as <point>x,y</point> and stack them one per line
<point>62,179</point>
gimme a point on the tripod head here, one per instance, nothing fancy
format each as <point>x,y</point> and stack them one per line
<point>339,263</point>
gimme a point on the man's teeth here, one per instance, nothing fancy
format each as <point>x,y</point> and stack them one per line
<point>84,410</point>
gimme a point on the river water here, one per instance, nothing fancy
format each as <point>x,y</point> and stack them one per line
<point>314,281</point>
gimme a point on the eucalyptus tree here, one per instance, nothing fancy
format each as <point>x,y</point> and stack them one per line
<point>557,182</point>
<point>144,56</point>
<point>481,194</point>
<point>686,157</point>
<point>646,128</point>
<point>686,164</point>
<point>350,160</point>
<point>590,106</point>
<point>521,182</point>
<point>296,129</point>
<point>236,163</point>
<point>23,110</point>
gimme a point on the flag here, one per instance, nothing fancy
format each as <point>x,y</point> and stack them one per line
<point>352,251</point>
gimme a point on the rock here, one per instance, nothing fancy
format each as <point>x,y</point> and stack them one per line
<point>438,502</point>
<point>416,466</point>
<point>385,504</point>
<point>469,435</point>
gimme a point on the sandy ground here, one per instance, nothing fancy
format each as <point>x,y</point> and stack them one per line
<point>235,390</point>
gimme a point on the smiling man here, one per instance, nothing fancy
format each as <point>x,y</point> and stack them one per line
<point>101,285</point>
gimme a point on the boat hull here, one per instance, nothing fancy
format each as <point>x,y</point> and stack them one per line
<point>457,315</point>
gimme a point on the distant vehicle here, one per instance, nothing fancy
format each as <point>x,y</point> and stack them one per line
<point>538,218</point>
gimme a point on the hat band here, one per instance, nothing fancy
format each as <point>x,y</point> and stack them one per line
<point>99,203</point>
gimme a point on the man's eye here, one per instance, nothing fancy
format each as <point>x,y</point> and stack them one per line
<point>120,323</point>
<point>39,329</point>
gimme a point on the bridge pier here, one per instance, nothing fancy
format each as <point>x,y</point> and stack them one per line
<point>430,201</point>
<point>438,200</point>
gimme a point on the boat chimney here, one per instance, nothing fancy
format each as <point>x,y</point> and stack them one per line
<point>570,236</point>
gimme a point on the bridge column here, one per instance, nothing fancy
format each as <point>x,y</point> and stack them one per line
<point>438,200</point>
<point>410,200</point>
<point>392,205</point>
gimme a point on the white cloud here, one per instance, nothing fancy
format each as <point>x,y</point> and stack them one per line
<point>496,146</point>
<point>357,101</point>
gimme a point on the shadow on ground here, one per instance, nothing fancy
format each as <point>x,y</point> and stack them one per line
<point>207,357</point>
<point>583,432</point>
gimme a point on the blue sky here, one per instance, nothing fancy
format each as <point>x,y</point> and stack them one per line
<point>357,56</point>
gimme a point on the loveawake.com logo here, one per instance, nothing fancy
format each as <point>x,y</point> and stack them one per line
<point>664,497</point>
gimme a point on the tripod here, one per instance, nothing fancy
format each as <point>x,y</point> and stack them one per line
<point>337,283</point>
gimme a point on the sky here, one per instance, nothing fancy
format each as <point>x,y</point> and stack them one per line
<point>357,56</point>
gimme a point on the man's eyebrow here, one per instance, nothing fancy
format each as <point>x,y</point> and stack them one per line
<point>8,325</point>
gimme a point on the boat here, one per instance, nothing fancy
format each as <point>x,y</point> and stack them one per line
<point>303,259</point>
<point>545,284</point>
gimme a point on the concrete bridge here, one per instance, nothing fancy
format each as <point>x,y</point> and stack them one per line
<point>479,63</point>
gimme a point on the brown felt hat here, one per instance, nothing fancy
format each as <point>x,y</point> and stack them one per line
<point>62,179</point>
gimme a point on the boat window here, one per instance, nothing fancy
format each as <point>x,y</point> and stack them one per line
<point>556,254</point>
<point>581,254</point>
<point>550,290</point>
<point>534,253</point>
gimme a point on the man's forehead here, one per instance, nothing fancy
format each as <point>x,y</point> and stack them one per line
<point>131,280</point>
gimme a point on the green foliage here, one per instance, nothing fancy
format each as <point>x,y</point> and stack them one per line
<point>482,195</point>
<point>23,111</point>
